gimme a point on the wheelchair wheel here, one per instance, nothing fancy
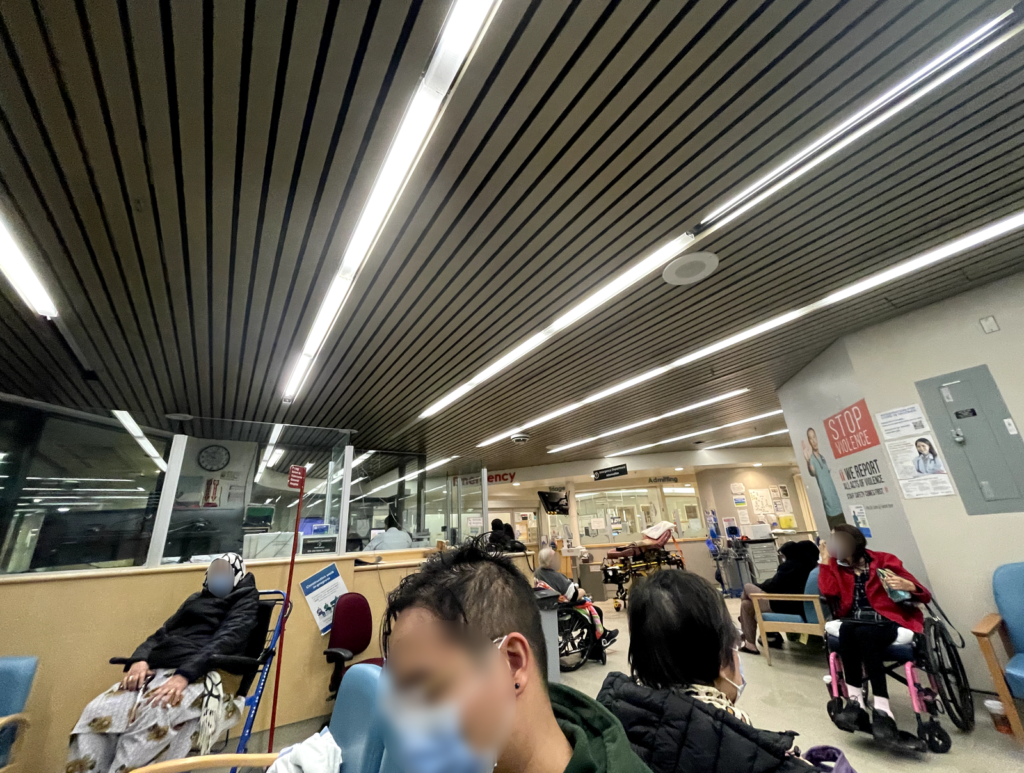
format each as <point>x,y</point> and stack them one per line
<point>573,640</point>
<point>945,665</point>
<point>937,738</point>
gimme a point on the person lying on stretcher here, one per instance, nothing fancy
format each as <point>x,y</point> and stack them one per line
<point>547,576</point>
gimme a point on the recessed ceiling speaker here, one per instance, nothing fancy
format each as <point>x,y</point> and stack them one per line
<point>690,268</point>
<point>178,416</point>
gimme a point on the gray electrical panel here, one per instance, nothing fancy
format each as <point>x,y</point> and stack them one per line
<point>982,444</point>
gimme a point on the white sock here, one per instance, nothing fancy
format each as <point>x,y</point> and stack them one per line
<point>882,704</point>
<point>856,695</point>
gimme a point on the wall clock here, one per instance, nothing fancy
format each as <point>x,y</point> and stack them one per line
<point>214,458</point>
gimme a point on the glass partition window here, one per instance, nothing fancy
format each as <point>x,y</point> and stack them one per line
<point>684,511</point>
<point>75,492</point>
<point>616,516</point>
<point>387,502</point>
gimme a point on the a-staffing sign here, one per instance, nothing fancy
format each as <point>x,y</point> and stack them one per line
<point>610,472</point>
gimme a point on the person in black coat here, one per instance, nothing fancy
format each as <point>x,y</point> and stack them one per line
<point>171,697</point>
<point>679,705</point>
<point>798,560</point>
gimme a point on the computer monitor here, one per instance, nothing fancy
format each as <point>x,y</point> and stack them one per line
<point>375,532</point>
<point>554,503</point>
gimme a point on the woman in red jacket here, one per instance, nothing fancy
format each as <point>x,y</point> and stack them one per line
<point>860,585</point>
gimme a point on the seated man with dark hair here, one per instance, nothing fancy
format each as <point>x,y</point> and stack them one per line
<point>466,678</point>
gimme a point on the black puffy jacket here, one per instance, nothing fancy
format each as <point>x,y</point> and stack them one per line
<point>674,733</point>
<point>202,627</point>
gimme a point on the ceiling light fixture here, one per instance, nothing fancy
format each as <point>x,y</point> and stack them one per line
<point>410,476</point>
<point>135,431</point>
<point>747,439</point>
<point>644,422</point>
<point>517,484</point>
<point>829,145</point>
<point>651,263</point>
<point>679,469</point>
<point>465,24</point>
<point>688,435</point>
<point>758,464</point>
<point>20,274</point>
<point>680,490</point>
<point>948,250</point>
<point>275,435</point>
<point>748,195</point>
<point>362,458</point>
<point>275,457</point>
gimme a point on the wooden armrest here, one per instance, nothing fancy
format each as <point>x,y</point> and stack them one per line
<point>210,761</point>
<point>14,719</point>
<point>783,597</point>
<point>989,625</point>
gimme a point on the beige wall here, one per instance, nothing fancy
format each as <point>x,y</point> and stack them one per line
<point>713,485</point>
<point>959,551</point>
<point>75,622</point>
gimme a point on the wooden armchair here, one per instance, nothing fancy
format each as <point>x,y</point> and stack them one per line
<point>1007,582</point>
<point>812,622</point>
<point>210,761</point>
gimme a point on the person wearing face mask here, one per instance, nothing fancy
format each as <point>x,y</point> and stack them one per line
<point>169,691</point>
<point>874,600</point>
<point>464,687</point>
<point>679,704</point>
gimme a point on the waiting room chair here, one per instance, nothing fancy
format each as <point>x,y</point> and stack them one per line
<point>16,677</point>
<point>353,726</point>
<point>812,621</point>
<point>1008,588</point>
<point>351,631</point>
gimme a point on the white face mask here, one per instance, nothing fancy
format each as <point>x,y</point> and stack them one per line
<point>743,679</point>
<point>429,738</point>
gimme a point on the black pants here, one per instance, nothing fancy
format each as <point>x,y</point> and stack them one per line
<point>862,647</point>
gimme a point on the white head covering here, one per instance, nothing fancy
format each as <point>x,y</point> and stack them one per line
<point>237,568</point>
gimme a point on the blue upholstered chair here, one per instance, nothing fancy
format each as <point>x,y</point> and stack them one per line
<point>353,725</point>
<point>16,676</point>
<point>812,621</point>
<point>1008,587</point>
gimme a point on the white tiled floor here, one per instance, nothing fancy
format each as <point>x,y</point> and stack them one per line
<point>790,695</point>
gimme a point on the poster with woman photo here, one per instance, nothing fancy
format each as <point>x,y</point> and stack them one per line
<point>919,467</point>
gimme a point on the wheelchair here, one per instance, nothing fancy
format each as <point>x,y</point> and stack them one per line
<point>943,690</point>
<point>577,641</point>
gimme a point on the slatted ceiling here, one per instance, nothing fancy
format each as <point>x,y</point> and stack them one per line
<point>189,175</point>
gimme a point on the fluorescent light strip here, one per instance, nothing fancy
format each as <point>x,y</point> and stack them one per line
<point>362,458</point>
<point>695,434</point>
<point>746,439</point>
<point>135,431</point>
<point>20,274</point>
<point>899,89</point>
<point>269,451</point>
<point>466,22</point>
<point>410,476</point>
<point>644,422</point>
<point>899,107</point>
<point>971,240</point>
<point>618,491</point>
<point>680,490</point>
<point>90,480</point>
<point>736,204</point>
<point>642,269</point>
<point>275,457</point>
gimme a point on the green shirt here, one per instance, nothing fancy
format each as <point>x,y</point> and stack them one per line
<point>599,744</point>
<point>829,495</point>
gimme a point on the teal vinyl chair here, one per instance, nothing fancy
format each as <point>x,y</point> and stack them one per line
<point>810,623</point>
<point>1008,588</point>
<point>16,677</point>
<point>354,726</point>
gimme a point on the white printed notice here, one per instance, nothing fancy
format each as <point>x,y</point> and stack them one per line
<point>322,591</point>
<point>919,467</point>
<point>761,500</point>
<point>909,420</point>
<point>744,517</point>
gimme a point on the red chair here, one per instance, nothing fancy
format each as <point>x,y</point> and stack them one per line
<point>351,629</point>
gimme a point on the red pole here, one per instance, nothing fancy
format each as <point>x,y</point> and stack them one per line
<point>287,600</point>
